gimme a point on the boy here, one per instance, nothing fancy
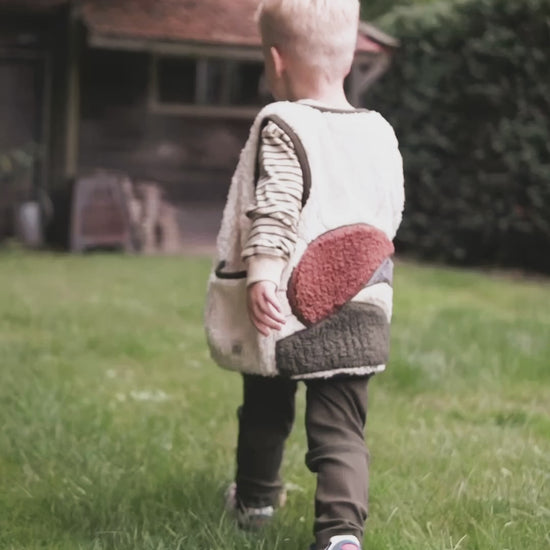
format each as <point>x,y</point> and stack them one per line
<point>303,288</point>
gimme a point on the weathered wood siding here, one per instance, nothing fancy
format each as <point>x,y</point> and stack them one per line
<point>192,158</point>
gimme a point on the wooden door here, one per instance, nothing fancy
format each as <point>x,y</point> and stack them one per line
<point>21,132</point>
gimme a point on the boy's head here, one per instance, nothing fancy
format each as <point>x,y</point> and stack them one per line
<point>313,38</point>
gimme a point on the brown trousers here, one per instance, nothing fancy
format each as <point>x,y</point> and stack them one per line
<point>335,422</point>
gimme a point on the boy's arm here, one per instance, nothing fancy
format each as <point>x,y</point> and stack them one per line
<point>275,217</point>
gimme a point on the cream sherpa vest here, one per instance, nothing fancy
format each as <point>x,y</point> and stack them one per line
<point>336,290</point>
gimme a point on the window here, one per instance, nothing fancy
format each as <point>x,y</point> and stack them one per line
<point>177,80</point>
<point>207,85</point>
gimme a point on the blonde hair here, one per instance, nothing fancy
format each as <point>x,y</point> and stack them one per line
<point>322,34</point>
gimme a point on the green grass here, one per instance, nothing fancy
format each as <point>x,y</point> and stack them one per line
<point>117,431</point>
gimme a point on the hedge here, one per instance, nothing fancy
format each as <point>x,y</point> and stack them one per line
<point>371,9</point>
<point>469,97</point>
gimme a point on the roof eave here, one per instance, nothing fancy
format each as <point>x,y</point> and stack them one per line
<point>191,47</point>
<point>378,36</point>
<point>24,7</point>
<point>174,47</point>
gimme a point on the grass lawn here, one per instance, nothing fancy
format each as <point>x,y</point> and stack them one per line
<point>117,431</point>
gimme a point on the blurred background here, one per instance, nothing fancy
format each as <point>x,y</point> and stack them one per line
<point>123,120</point>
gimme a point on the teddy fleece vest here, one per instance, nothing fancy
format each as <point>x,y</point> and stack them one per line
<point>336,289</point>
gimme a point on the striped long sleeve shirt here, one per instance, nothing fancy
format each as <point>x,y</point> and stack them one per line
<point>276,211</point>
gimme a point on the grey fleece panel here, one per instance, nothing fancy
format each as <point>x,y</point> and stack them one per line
<point>384,274</point>
<point>357,335</point>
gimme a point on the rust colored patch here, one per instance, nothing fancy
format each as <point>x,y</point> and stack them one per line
<point>334,268</point>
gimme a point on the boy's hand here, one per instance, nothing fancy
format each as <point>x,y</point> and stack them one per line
<point>264,308</point>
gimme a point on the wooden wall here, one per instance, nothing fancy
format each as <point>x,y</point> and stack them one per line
<point>193,158</point>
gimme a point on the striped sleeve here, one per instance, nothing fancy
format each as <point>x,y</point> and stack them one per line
<point>278,199</point>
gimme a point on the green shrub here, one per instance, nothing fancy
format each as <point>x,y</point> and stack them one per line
<point>371,9</point>
<point>469,96</point>
<point>16,162</point>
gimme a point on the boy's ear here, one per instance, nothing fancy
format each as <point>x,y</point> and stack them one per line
<point>278,61</point>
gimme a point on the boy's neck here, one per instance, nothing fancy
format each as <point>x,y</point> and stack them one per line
<point>329,95</point>
<point>334,101</point>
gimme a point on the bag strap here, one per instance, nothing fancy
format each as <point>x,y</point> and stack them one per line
<point>298,147</point>
<point>306,177</point>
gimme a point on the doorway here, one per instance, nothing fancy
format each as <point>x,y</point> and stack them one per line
<point>23,131</point>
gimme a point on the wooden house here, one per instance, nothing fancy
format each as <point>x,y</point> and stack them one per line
<point>161,90</point>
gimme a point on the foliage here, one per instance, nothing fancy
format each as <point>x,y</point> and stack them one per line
<point>371,9</point>
<point>469,98</point>
<point>15,163</point>
<point>118,433</point>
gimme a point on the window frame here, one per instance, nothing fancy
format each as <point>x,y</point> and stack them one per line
<point>201,108</point>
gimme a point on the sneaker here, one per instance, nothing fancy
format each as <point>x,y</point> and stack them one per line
<point>342,542</point>
<point>248,518</point>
